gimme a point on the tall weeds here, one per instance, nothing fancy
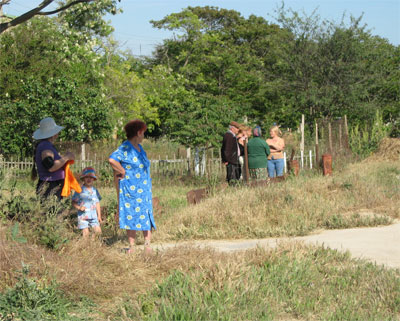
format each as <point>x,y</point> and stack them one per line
<point>364,140</point>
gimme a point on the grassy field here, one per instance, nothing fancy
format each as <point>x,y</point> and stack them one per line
<point>48,272</point>
<point>292,282</point>
<point>362,194</point>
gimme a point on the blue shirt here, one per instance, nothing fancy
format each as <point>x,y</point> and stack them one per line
<point>89,197</point>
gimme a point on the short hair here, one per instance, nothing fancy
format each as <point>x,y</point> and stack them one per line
<point>133,127</point>
<point>276,130</point>
<point>257,131</point>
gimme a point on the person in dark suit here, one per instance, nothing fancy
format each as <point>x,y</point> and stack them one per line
<point>230,153</point>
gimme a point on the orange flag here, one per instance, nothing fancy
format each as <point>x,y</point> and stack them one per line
<point>70,181</point>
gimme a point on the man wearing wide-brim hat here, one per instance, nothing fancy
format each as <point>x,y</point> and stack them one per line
<point>230,153</point>
<point>49,163</point>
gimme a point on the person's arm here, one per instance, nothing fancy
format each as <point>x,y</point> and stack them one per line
<point>117,167</point>
<point>280,145</point>
<point>54,165</point>
<point>98,210</point>
<point>230,140</point>
<point>77,206</point>
<point>276,146</point>
<point>267,150</point>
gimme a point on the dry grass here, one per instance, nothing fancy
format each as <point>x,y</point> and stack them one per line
<point>389,149</point>
<point>297,280</point>
<point>295,207</point>
<point>89,268</point>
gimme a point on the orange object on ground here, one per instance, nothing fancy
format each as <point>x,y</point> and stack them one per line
<point>294,165</point>
<point>327,164</point>
<point>70,181</point>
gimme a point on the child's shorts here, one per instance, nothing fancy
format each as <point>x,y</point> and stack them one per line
<point>86,223</point>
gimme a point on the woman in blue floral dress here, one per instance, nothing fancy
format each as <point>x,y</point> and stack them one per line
<point>132,170</point>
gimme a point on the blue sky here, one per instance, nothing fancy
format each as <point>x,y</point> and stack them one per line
<point>134,31</point>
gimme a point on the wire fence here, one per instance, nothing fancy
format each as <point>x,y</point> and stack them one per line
<point>160,168</point>
<point>325,136</point>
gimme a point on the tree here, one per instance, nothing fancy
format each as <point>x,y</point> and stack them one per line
<point>46,71</point>
<point>336,69</point>
<point>37,11</point>
<point>226,58</point>
<point>125,91</point>
<point>82,112</point>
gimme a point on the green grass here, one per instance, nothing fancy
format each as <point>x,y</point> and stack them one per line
<point>31,299</point>
<point>296,284</point>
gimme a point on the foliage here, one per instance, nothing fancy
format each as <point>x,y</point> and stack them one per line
<point>13,205</point>
<point>51,231</point>
<point>36,11</point>
<point>127,97</point>
<point>38,221</point>
<point>31,299</point>
<point>239,67</point>
<point>87,17</point>
<point>48,74</point>
<point>14,234</point>
<point>364,140</point>
<point>215,54</point>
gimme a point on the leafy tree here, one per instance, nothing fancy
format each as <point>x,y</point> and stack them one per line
<point>336,69</point>
<point>126,95</point>
<point>89,11</point>
<point>45,72</point>
<point>81,110</point>
<point>276,72</point>
<point>217,55</point>
<point>87,16</point>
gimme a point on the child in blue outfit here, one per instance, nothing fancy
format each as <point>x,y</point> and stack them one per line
<point>88,203</point>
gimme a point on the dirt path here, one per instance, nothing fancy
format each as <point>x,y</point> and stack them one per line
<point>377,244</point>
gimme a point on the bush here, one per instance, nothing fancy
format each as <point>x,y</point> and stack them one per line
<point>41,222</point>
<point>365,140</point>
<point>32,300</point>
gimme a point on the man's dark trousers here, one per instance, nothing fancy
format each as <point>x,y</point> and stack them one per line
<point>233,172</point>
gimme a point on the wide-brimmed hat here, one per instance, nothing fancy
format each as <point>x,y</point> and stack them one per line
<point>47,128</point>
<point>88,172</point>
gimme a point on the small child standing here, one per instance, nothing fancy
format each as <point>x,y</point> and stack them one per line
<point>88,203</point>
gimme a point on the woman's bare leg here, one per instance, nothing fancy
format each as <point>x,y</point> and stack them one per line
<point>147,241</point>
<point>131,238</point>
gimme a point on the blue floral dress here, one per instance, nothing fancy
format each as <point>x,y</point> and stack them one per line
<point>135,196</point>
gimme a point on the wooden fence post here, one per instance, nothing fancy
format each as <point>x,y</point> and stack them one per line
<point>302,133</point>
<point>346,132</point>
<point>188,159</point>
<point>316,146</point>
<point>330,138</point>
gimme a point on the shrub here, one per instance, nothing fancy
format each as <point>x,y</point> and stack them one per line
<point>364,141</point>
<point>31,299</point>
<point>41,222</point>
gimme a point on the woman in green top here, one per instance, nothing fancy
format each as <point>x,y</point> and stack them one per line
<point>258,151</point>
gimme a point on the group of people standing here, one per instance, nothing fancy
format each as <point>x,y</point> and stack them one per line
<point>132,173</point>
<point>131,176</point>
<point>265,157</point>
